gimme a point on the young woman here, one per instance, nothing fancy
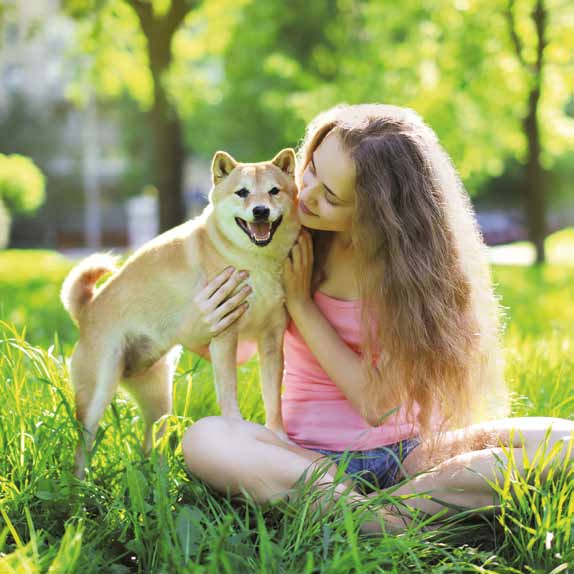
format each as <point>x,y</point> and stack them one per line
<point>392,355</point>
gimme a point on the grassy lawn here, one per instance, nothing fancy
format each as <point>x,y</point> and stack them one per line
<point>134,514</point>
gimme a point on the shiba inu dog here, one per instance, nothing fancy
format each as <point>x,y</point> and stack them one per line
<point>131,327</point>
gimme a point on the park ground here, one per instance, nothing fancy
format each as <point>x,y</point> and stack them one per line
<point>134,514</point>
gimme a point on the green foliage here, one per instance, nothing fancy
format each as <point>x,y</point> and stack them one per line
<point>452,62</point>
<point>110,35</point>
<point>247,76</point>
<point>134,514</point>
<point>22,184</point>
<point>252,115</point>
<point>30,283</point>
<point>113,47</point>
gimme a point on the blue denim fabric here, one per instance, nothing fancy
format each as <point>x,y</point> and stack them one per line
<point>377,468</point>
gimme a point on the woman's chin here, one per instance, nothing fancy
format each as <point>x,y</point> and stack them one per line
<point>315,222</point>
<point>312,223</point>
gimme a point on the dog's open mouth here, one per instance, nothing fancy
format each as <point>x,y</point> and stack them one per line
<point>260,232</point>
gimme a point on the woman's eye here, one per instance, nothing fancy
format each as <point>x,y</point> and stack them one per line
<point>242,192</point>
<point>329,201</point>
<point>274,191</point>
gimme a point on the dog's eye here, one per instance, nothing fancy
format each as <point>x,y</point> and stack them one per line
<point>242,192</point>
<point>274,191</point>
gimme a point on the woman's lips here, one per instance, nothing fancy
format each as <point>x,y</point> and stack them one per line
<point>304,209</point>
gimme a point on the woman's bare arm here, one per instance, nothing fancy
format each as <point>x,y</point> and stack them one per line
<point>340,362</point>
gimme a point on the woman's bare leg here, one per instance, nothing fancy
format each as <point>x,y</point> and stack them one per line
<point>462,480</point>
<point>233,455</point>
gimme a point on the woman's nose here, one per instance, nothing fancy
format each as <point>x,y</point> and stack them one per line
<point>308,188</point>
<point>306,195</point>
<point>308,177</point>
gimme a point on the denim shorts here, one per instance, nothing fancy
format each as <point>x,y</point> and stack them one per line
<point>376,468</point>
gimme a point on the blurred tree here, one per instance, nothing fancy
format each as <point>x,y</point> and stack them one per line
<point>530,53</point>
<point>131,42</point>
<point>22,189</point>
<point>270,57</point>
<point>434,58</point>
<point>158,23</point>
<point>314,55</point>
<point>159,28</point>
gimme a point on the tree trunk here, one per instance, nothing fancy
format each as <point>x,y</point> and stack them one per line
<point>166,130</point>
<point>534,186</point>
<point>535,189</point>
<point>168,160</point>
<point>535,204</point>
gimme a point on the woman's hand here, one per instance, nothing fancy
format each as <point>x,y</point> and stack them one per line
<point>217,306</point>
<point>297,273</point>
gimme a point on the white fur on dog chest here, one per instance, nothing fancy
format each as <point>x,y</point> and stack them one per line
<point>266,299</point>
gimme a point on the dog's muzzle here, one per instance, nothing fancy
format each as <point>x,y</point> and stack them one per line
<point>260,232</point>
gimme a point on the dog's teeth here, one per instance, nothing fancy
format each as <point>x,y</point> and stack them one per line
<point>261,231</point>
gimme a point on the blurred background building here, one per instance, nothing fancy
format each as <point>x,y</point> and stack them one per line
<point>78,147</point>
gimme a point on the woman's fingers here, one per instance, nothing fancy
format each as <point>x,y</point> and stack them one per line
<point>229,305</point>
<point>226,289</point>
<point>215,283</point>
<point>230,318</point>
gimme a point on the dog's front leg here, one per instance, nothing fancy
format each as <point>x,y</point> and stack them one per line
<point>270,345</point>
<point>223,351</point>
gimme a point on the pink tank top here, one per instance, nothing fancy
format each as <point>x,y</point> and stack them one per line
<point>315,412</point>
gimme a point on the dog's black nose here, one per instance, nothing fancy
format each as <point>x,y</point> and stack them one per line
<point>261,212</point>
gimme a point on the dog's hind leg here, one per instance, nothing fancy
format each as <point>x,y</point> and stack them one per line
<point>95,374</point>
<point>152,391</point>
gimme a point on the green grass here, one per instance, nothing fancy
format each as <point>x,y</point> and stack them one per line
<point>134,514</point>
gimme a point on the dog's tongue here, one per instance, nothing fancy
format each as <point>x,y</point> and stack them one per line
<point>260,231</point>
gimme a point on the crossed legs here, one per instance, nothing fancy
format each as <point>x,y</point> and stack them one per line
<point>235,455</point>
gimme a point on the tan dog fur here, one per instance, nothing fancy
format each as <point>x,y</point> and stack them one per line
<point>131,326</point>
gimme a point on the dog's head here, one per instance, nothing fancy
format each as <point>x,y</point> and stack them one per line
<point>254,202</point>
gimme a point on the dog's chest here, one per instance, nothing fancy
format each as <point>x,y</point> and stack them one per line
<point>266,299</point>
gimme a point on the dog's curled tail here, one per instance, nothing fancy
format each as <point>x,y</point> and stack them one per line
<point>78,288</point>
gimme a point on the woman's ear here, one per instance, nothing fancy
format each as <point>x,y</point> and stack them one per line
<point>221,166</point>
<point>285,161</point>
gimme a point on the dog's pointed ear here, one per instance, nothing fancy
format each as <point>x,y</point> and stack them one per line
<point>221,166</point>
<point>285,161</point>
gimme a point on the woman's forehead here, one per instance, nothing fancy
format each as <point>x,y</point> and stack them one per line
<point>335,166</point>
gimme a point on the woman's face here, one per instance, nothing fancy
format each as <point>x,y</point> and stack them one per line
<point>327,194</point>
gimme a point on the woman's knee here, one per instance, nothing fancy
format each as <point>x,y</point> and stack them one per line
<point>213,447</point>
<point>204,439</point>
<point>201,444</point>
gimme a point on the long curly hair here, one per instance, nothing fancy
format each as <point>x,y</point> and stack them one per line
<point>430,319</point>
